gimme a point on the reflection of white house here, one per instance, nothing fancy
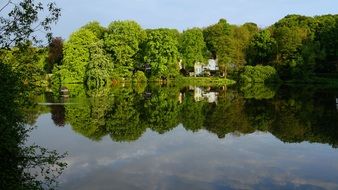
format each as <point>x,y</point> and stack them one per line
<point>200,95</point>
<point>211,97</point>
<point>199,68</point>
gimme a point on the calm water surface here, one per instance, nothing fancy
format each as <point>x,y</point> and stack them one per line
<point>251,137</point>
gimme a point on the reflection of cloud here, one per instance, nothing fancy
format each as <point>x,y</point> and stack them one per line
<point>106,161</point>
<point>186,160</point>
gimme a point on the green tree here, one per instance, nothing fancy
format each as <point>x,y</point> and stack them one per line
<point>76,53</point>
<point>327,36</point>
<point>192,47</point>
<point>28,63</point>
<point>259,74</point>
<point>122,41</point>
<point>21,166</point>
<point>96,28</point>
<point>218,41</point>
<point>99,67</point>
<point>240,39</point>
<point>161,52</point>
<point>294,35</point>
<point>261,49</point>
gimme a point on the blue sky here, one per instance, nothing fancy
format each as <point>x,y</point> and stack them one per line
<point>182,14</point>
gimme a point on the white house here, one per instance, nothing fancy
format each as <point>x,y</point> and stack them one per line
<point>212,65</point>
<point>199,68</point>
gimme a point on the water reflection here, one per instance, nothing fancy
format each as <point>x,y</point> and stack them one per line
<point>152,137</point>
<point>124,113</point>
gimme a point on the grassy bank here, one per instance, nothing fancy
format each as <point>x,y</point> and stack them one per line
<point>203,81</point>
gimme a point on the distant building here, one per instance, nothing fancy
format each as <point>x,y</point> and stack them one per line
<point>212,65</point>
<point>198,69</point>
<point>201,68</point>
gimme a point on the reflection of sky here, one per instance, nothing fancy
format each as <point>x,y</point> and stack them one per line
<point>185,160</point>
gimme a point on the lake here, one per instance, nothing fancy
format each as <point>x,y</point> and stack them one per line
<point>157,137</point>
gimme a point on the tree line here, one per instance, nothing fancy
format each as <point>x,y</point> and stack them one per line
<point>294,48</point>
<point>297,47</point>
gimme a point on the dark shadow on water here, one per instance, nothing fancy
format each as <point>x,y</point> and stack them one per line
<point>21,166</point>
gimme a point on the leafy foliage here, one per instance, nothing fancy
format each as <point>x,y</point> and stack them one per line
<point>298,47</point>
<point>18,160</point>
<point>192,47</point>
<point>55,54</point>
<point>28,64</point>
<point>259,74</point>
<point>99,68</point>
<point>96,28</point>
<point>161,52</point>
<point>217,38</point>
<point>261,49</point>
<point>139,76</point>
<point>21,20</point>
<point>76,54</point>
<point>122,41</point>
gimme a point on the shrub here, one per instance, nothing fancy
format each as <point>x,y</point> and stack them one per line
<point>259,74</point>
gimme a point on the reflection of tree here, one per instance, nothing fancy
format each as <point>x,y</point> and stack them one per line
<point>297,115</point>
<point>228,117</point>
<point>125,113</point>
<point>192,113</point>
<point>306,115</point>
<point>123,119</point>
<point>258,91</point>
<point>17,161</point>
<point>161,111</point>
<point>58,114</point>
<point>260,113</point>
<point>86,116</point>
<point>57,111</point>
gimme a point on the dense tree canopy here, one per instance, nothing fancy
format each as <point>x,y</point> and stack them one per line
<point>218,41</point>
<point>161,52</point>
<point>99,67</point>
<point>298,47</point>
<point>122,41</point>
<point>192,47</point>
<point>261,49</point>
<point>76,54</point>
<point>96,28</point>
